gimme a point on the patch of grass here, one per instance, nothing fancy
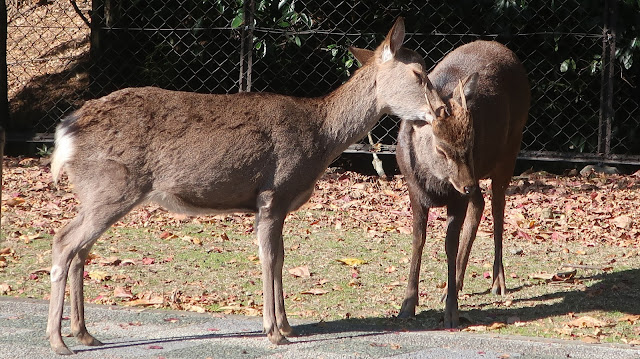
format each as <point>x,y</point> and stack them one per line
<point>212,262</point>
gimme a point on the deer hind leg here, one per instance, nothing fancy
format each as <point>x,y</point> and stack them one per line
<point>420,213</point>
<point>269,230</point>
<point>78,326</point>
<point>71,242</point>
<point>63,250</point>
<point>468,235</point>
<point>70,249</point>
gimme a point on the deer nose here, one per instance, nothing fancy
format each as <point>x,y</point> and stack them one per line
<point>469,189</point>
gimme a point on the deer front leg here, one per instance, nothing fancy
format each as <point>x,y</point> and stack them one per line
<point>269,231</point>
<point>456,215</point>
<point>497,207</point>
<point>468,235</point>
<point>78,326</point>
<point>410,302</point>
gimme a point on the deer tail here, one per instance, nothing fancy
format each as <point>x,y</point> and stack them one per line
<point>63,149</point>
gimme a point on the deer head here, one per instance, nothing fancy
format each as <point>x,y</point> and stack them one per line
<point>404,69</point>
<point>452,134</point>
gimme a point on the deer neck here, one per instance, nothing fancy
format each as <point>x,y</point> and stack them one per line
<point>351,110</point>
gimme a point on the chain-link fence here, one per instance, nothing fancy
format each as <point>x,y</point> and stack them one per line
<point>579,55</point>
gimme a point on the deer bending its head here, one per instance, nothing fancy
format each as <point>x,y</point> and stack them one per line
<point>452,128</point>
<point>198,153</point>
<point>479,97</point>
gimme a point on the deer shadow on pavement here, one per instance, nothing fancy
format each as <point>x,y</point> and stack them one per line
<point>611,292</point>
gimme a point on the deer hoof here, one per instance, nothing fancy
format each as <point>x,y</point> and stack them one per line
<point>62,350</point>
<point>407,311</point>
<point>277,338</point>
<point>451,320</point>
<point>498,290</point>
<point>287,331</point>
<point>88,340</point>
<point>406,315</point>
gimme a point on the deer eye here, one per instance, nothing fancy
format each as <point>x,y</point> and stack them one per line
<point>441,152</point>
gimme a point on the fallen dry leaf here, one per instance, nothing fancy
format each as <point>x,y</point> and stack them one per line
<point>121,292</point>
<point>302,271</point>
<point>623,222</point>
<point>16,201</point>
<point>147,300</point>
<point>587,322</point>
<point>109,261</point>
<point>196,308</point>
<point>475,328</point>
<point>564,331</point>
<point>315,291</point>
<point>99,275</point>
<point>41,271</point>
<point>127,262</point>
<point>4,288</point>
<point>352,261</point>
<point>542,275</point>
<point>590,340</point>
<point>167,235</point>
<point>6,252</point>
<point>631,318</point>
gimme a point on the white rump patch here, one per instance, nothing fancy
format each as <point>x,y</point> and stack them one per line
<point>62,152</point>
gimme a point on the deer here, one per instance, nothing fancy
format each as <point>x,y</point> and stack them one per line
<point>197,154</point>
<point>479,97</point>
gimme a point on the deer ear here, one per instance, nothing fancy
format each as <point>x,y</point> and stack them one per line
<point>394,40</point>
<point>437,107</point>
<point>465,89</point>
<point>362,55</point>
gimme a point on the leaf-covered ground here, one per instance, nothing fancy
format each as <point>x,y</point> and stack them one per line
<point>571,255</point>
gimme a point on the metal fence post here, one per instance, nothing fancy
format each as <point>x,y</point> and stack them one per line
<point>246,46</point>
<point>4,90</point>
<point>97,22</point>
<point>608,62</point>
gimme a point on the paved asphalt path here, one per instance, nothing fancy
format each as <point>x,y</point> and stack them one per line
<point>134,333</point>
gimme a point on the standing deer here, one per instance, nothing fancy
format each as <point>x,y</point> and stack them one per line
<point>199,153</point>
<point>480,97</point>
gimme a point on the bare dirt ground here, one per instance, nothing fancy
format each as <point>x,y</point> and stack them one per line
<point>46,45</point>
<point>43,40</point>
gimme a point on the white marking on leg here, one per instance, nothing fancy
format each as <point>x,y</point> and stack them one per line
<point>56,273</point>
